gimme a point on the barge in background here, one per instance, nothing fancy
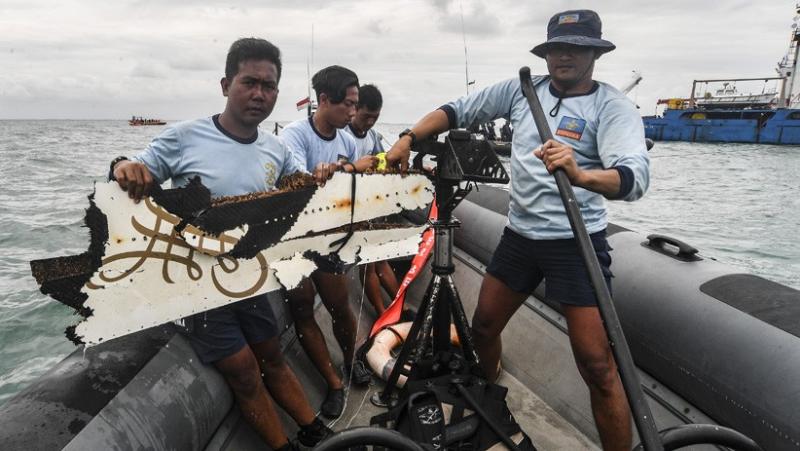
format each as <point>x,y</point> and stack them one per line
<point>770,117</point>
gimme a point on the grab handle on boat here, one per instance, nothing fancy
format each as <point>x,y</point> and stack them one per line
<point>685,252</point>
<point>705,434</point>
<point>365,435</point>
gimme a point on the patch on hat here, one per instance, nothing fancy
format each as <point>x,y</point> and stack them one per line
<point>569,18</point>
<point>571,127</point>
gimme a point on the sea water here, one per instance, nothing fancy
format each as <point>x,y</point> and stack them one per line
<point>737,203</point>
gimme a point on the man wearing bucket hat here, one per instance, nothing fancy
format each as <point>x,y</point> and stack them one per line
<point>599,142</point>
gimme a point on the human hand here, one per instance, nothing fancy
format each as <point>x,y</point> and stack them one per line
<point>397,157</point>
<point>365,162</point>
<point>323,172</point>
<point>556,155</point>
<point>133,177</point>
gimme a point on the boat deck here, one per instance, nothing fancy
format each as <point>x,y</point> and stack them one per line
<point>546,395</point>
<point>547,429</point>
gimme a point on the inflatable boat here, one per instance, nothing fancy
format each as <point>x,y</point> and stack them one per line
<point>711,346</point>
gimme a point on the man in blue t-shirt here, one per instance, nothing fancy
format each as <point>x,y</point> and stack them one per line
<point>599,142</point>
<point>368,142</point>
<point>233,157</point>
<point>368,110</point>
<point>320,139</point>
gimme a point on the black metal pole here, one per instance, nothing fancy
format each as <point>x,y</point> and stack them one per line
<point>642,416</point>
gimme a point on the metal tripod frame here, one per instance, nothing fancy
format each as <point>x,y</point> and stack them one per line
<point>441,305</point>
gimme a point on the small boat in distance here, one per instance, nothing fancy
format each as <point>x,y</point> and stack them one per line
<point>138,120</point>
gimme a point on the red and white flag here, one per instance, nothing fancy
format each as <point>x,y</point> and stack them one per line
<point>301,104</point>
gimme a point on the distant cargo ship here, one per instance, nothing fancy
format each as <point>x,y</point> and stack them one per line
<point>138,120</point>
<point>727,115</point>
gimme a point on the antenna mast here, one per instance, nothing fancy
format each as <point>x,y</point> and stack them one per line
<point>466,58</point>
<point>308,73</point>
<point>787,67</point>
<point>635,79</point>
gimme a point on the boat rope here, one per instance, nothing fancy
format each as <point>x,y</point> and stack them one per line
<point>360,406</point>
<point>352,361</point>
<point>343,240</point>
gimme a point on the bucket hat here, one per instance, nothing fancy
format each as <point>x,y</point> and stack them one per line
<point>577,27</point>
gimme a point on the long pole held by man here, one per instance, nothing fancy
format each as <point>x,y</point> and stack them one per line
<point>599,143</point>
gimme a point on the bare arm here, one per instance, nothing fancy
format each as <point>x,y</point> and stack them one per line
<point>557,155</point>
<point>362,164</point>
<point>324,171</point>
<point>431,124</point>
<point>602,181</point>
<point>133,177</point>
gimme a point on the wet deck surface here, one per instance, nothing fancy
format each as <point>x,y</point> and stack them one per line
<point>547,429</point>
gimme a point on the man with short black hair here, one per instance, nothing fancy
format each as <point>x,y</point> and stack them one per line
<point>368,110</point>
<point>233,157</point>
<point>599,143</point>
<point>368,142</point>
<point>319,139</point>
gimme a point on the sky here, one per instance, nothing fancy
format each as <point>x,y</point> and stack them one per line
<point>95,59</point>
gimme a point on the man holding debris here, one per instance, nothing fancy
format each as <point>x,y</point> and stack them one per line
<point>368,142</point>
<point>232,157</point>
<point>319,139</point>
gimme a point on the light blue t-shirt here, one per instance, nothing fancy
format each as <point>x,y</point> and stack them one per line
<point>311,148</point>
<point>227,165</point>
<point>604,129</point>
<point>368,144</point>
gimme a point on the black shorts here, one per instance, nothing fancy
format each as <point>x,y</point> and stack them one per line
<point>223,331</point>
<point>522,263</point>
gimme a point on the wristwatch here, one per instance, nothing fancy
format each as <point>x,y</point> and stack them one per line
<point>411,134</point>
<point>111,169</point>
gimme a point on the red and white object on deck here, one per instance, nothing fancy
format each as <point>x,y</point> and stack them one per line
<point>392,314</point>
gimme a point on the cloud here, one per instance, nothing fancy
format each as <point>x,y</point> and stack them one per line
<point>378,27</point>
<point>195,62</point>
<point>478,19</point>
<point>149,70</point>
<point>165,59</point>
